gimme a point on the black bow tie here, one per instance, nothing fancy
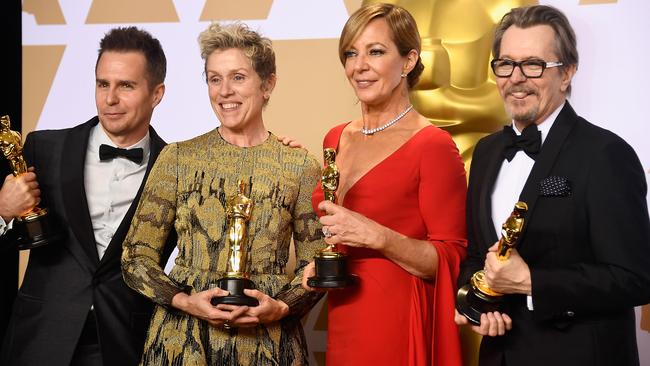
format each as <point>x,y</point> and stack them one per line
<point>107,152</point>
<point>529,141</point>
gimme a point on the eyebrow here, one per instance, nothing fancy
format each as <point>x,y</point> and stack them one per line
<point>375,44</point>
<point>240,70</point>
<point>371,45</point>
<point>507,57</point>
<point>98,80</point>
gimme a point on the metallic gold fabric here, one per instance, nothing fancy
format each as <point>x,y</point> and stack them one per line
<point>187,191</point>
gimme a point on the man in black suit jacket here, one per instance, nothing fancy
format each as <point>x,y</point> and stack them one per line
<point>583,259</point>
<point>73,307</point>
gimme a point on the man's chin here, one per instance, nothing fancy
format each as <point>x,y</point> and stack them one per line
<point>521,115</point>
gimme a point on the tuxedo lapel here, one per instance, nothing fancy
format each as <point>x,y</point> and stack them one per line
<point>493,165</point>
<point>74,192</point>
<point>114,250</point>
<point>547,158</point>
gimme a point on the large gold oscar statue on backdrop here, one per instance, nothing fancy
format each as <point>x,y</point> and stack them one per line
<point>457,90</point>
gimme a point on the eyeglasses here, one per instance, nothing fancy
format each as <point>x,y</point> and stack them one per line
<point>532,68</point>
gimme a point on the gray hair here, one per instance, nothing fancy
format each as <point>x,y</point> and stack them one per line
<point>237,35</point>
<point>529,16</point>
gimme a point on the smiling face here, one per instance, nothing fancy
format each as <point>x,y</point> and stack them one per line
<point>374,66</point>
<point>124,99</point>
<point>529,100</point>
<point>237,93</point>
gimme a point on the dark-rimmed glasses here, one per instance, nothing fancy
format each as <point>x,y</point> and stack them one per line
<point>532,68</point>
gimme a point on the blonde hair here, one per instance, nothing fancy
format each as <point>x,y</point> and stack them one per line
<point>237,35</point>
<point>405,33</point>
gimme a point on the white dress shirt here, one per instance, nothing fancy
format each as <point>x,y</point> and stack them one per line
<point>4,226</point>
<point>110,185</point>
<point>512,177</point>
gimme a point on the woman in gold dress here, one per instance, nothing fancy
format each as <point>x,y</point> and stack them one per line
<point>188,191</point>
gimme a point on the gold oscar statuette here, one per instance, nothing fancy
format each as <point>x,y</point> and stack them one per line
<point>477,297</point>
<point>35,227</point>
<point>331,265</point>
<point>236,279</point>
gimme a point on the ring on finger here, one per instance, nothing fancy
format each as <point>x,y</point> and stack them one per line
<point>326,232</point>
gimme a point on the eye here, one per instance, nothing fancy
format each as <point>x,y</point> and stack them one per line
<point>214,80</point>
<point>504,63</point>
<point>349,53</point>
<point>102,84</point>
<point>533,62</point>
<point>126,85</point>
<point>376,52</point>
<point>239,77</point>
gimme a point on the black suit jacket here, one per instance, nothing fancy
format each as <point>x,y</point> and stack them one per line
<point>588,249</point>
<point>8,266</point>
<point>64,279</point>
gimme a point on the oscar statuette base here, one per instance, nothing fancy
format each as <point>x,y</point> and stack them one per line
<point>36,229</point>
<point>472,302</point>
<point>235,286</point>
<point>331,272</point>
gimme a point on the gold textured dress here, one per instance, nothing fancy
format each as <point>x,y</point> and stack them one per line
<point>187,192</point>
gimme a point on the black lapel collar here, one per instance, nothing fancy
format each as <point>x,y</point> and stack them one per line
<point>114,250</point>
<point>547,157</point>
<point>74,191</point>
<point>493,165</point>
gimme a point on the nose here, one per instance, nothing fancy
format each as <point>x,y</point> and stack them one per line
<point>360,62</point>
<point>518,75</point>
<point>112,97</point>
<point>225,88</point>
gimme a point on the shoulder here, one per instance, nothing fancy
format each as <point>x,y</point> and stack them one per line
<point>55,135</point>
<point>600,145</point>
<point>168,153</point>
<point>332,137</point>
<point>198,143</point>
<point>295,155</point>
<point>596,136</point>
<point>58,135</point>
<point>432,139</point>
<point>489,141</point>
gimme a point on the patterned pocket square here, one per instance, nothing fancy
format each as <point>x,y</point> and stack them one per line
<point>554,186</point>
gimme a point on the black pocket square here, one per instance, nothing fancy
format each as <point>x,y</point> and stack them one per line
<point>554,186</point>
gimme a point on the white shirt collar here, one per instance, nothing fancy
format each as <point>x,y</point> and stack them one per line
<point>98,137</point>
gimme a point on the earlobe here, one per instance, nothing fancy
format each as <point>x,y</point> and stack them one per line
<point>411,61</point>
<point>158,94</point>
<point>568,76</point>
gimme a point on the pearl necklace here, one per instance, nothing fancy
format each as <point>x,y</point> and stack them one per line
<point>372,131</point>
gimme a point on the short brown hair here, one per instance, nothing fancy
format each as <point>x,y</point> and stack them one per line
<point>237,35</point>
<point>132,39</point>
<point>525,17</point>
<point>400,21</point>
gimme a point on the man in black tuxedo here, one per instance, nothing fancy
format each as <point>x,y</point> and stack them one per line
<point>583,259</point>
<point>73,307</point>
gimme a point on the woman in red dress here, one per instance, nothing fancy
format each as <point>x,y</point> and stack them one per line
<point>401,207</point>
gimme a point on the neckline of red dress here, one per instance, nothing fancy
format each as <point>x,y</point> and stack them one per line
<point>381,162</point>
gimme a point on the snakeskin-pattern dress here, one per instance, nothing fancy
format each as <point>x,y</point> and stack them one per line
<point>187,191</point>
